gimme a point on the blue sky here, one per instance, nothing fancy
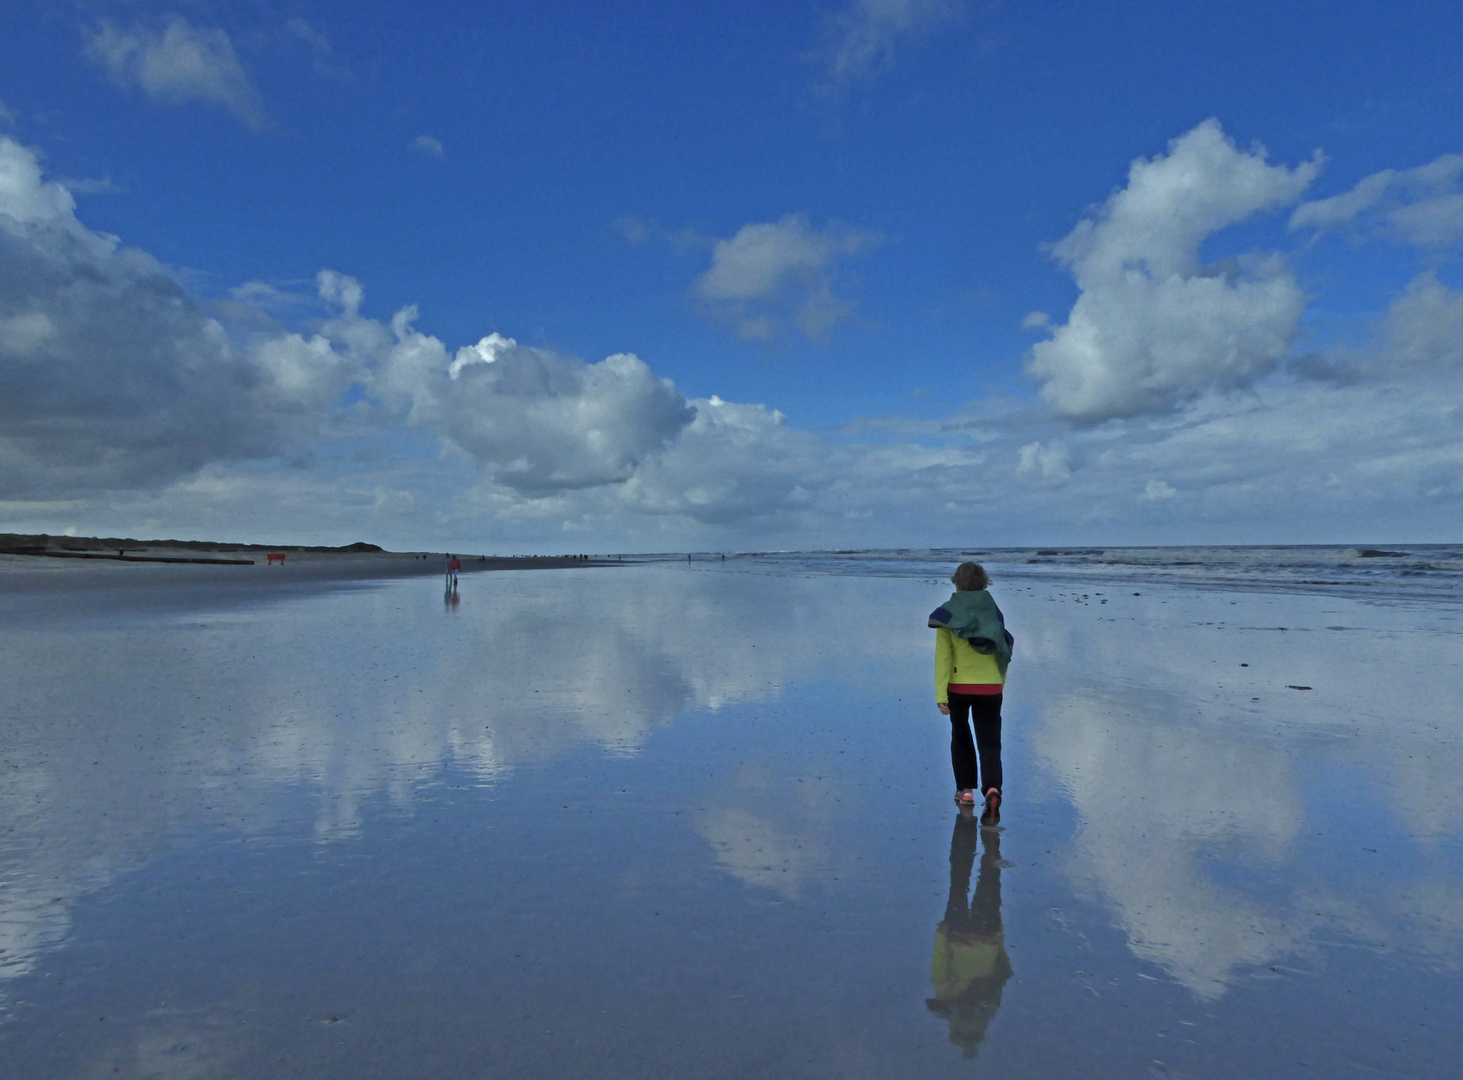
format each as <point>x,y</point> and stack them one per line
<point>886,272</point>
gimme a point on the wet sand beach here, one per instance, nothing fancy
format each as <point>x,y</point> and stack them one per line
<point>694,820</point>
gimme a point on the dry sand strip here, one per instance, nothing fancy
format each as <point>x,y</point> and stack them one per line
<point>123,557</point>
<point>298,565</point>
<point>358,561</point>
<point>37,590</point>
<point>102,547</point>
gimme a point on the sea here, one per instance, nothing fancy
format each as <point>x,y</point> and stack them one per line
<point>1400,571</point>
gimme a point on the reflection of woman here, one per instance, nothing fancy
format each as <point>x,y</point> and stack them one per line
<point>970,966</point>
<point>972,649</point>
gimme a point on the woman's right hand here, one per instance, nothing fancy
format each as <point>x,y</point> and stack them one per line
<point>943,707</point>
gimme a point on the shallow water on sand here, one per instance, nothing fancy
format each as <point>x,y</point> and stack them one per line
<point>696,821</point>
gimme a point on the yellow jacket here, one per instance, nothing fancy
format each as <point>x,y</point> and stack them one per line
<point>962,959</point>
<point>958,664</point>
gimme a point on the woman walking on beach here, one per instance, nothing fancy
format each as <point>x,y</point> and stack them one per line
<point>972,649</point>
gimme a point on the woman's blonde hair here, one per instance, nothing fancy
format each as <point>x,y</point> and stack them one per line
<point>970,577</point>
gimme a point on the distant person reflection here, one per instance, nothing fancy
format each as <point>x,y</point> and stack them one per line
<point>451,598</point>
<point>970,966</point>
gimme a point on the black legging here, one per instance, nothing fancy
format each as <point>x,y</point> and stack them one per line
<point>981,913</point>
<point>983,712</point>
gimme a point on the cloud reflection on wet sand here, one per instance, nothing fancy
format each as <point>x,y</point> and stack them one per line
<point>1189,759</point>
<point>121,734</point>
<point>716,801</point>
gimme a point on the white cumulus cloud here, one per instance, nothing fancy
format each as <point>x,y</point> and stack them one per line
<point>1423,329</point>
<point>771,274</point>
<point>27,199</point>
<point>732,465</point>
<point>542,420</point>
<point>113,376</point>
<point>536,421</point>
<point>1421,206</point>
<point>1153,326</point>
<point>1045,462</point>
<point>178,64</point>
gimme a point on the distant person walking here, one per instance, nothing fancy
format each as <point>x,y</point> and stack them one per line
<point>454,564</point>
<point>972,650</point>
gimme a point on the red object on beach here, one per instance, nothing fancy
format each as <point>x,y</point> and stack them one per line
<point>273,557</point>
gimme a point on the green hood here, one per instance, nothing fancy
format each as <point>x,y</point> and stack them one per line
<point>974,616</point>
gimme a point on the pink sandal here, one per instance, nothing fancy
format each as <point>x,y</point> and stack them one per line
<point>992,806</point>
<point>965,797</point>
